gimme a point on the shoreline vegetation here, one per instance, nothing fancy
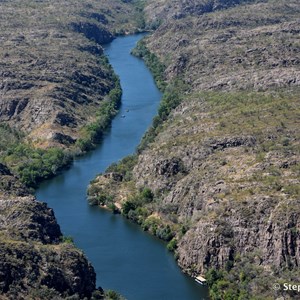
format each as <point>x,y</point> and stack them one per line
<point>137,207</point>
<point>248,164</point>
<point>58,96</point>
<point>240,135</point>
<point>35,159</point>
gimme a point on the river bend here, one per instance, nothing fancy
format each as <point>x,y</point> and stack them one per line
<point>125,258</point>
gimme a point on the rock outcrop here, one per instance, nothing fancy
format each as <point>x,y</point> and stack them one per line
<point>54,79</point>
<point>54,66</point>
<point>35,263</point>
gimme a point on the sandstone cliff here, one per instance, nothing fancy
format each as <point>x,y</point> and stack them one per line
<point>53,75</point>
<point>55,84</point>
<point>35,263</point>
<point>223,167</point>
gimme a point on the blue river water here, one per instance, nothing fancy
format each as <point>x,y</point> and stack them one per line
<point>125,258</point>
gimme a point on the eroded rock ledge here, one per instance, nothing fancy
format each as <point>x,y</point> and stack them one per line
<point>34,260</point>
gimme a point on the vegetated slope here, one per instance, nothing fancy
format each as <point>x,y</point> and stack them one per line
<point>53,74</point>
<point>157,11</point>
<point>219,178</point>
<point>57,94</point>
<point>57,89</point>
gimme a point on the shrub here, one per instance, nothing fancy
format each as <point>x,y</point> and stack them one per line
<point>127,207</point>
<point>92,133</point>
<point>34,165</point>
<point>165,233</point>
<point>112,295</point>
<point>67,239</point>
<point>172,245</point>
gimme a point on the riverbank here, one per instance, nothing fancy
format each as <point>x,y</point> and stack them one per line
<point>54,78</point>
<point>59,93</point>
<point>223,165</point>
<point>125,258</point>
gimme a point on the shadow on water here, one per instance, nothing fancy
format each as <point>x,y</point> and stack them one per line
<point>125,258</point>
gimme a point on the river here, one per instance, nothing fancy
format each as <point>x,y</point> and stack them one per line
<point>125,258</point>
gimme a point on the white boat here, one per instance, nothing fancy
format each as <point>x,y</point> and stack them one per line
<point>200,279</point>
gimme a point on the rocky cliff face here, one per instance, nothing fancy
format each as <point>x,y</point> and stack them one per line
<point>53,81</point>
<point>234,200</point>
<point>53,76</point>
<point>224,166</point>
<point>34,262</point>
<point>156,11</point>
<point>249,47</point>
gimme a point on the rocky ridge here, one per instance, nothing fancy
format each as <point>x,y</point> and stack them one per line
<point>264,55</point>
<point>54,84</point>
<point>53,76</point>
<point>35,263</point>
<point>156,11</point>
<point>224,166</point>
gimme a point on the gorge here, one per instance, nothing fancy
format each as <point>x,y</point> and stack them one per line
<point>124,257</point>
<point>216,175</point>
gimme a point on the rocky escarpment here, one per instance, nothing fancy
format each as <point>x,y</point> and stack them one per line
<point>53,75</point>
<point>219,178</point>
<point>156,11</point>
<point>230,202</point>
<point>46,273</point>
<point>55,84</point>
<point>259,224</point>
<point>217,53</point>
<point>34,261</point>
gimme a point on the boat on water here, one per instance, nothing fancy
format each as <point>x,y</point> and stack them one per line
<point>200,279</point>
